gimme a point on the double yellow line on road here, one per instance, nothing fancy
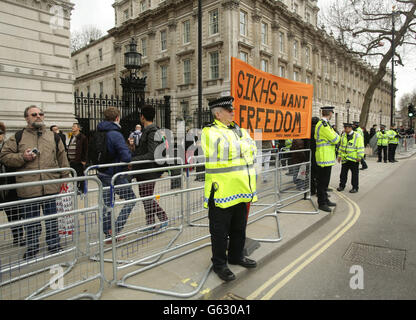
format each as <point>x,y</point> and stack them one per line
<point>310,255</point>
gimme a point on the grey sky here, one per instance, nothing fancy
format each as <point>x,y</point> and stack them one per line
<point>101,14</point>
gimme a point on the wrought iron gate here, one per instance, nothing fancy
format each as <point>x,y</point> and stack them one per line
<point>89,111</point>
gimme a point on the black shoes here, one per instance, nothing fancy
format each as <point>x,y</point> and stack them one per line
<point>378,160</point>
<point>325,207</point>
<point>340,189</point>
<point>245,262</point>
<point>30,254</point>
<point>353,190</point>
<point>55,249</point>
<point>331,204</point>
<point>225,274</point>
<point>363,168</point>
<point>329,189</point>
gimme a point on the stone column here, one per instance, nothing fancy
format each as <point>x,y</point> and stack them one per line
<point>35,65</point>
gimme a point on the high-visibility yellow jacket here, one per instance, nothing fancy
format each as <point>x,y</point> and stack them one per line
<point>393,136</point>
<point>382,138</point>
<point>351,147</point>
<point>326,140</point>
<point>288,143</point>
<point>360,131</point>
<point>229,165</point>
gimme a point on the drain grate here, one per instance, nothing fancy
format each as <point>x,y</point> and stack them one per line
<point>376,255</point>
<point>231,296</point>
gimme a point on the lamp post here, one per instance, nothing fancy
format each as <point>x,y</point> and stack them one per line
<point>133,86</point>
<point>348,104</point>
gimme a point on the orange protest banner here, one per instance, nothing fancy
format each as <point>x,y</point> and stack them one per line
<point>280,108</point>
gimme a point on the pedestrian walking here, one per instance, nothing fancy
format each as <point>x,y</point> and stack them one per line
<point>117,151</point>
<point>35,148</point>
<point>13,213</point>
<point>326,141</point>
<point>150,139</point>
<point>356,127</point>
<point>230,184</point>
<point>382,143</point>
<point>78,152</point>
<point>393,141</point>
<point>351,151</point>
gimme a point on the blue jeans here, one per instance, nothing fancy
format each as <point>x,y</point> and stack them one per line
<point>125,193</point>
<point>33,230</point>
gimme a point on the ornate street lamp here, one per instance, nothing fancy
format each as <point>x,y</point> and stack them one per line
<point>133,87</point>
<point>132,58</point>
<point>348,104</point>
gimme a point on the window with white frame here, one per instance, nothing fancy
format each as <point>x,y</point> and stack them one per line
<point>144,47</point>
<point>213,22</point>
<point>281,42</point>
<point>76,64</point>
<point>101,88</point>
<point>143,5</point>
<point>308,17</point>
<point>126,14</point>
<point>295,49</point>
<point>186,31</point>
<point>296,76</point>
<point>243,23</point>
<point>214,65</point>
<point>282,72</point>
<point>264,33</point>
<point>164,76</point>
<point>88,59</point>
<point>244,56</point>
<point>100,54</point>
<point>308,79</point>
<point>307,56</point>
<point>264,65</point>
<point>163,41</point>
<point>187,71</point>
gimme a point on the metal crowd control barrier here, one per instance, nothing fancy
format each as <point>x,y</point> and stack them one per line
<point>406,144</point>
<point>33,277</point>
<point>294,180</point>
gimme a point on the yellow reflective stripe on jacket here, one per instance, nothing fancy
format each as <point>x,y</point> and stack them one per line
<point>230,165</point>
<point>353,149</point>
<point>382,139</point>
<point>326,140</point>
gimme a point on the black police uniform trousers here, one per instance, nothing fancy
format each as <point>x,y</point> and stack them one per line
<point>223,223</point>
<point>392,152</point>
<point>347,166</point>
<point>381,149</point>
<point>323,178</point>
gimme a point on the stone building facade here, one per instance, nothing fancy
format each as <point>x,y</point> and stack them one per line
<point>35,64</point>
<point>280,37</point>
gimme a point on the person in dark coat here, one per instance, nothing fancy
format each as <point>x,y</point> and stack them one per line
<point>119,152</point>
<point>54,128</point>
<point>78,152</point>
<point>150,139</point>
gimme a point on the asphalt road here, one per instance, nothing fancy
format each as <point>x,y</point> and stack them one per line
<point>380,220</point>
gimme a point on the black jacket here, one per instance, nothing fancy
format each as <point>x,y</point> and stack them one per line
<point>146,151</point>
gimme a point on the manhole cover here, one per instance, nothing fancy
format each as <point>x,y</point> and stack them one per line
<point>380,256</point>
<point>232,296</point>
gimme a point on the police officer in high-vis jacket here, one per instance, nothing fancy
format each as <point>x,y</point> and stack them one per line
<point>230,184</point>
<point>356,128</point>
<point>326,140</point>
<point>382,143</point>
<point>351,151</point>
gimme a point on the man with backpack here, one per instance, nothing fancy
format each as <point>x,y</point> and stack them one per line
<point>35,148</point>
<point>149,141</point>
<point>108,146</point>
